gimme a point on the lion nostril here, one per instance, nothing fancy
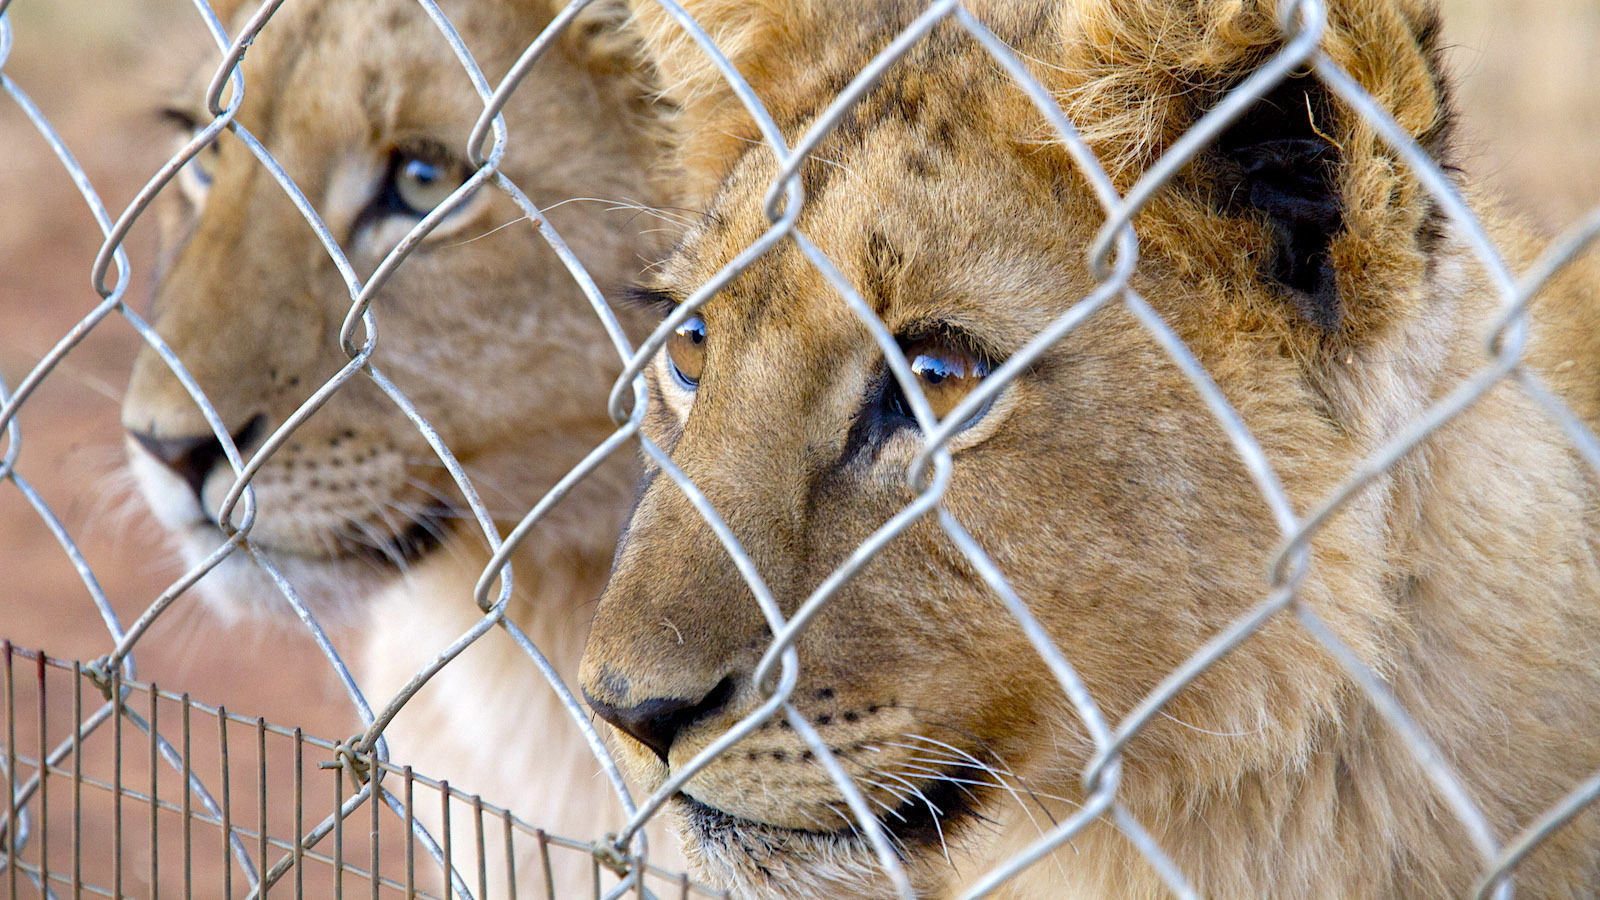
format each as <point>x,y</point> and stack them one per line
<point>193,458</point>
<point>657,722</point>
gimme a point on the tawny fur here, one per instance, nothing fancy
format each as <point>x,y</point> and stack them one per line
<point>482,328</point>
<point>1465,576</point>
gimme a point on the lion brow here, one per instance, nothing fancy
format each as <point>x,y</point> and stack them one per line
<point>180,116</point>
<point>656,300</point>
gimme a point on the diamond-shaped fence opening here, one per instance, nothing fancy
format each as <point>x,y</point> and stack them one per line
<point>119,788</point>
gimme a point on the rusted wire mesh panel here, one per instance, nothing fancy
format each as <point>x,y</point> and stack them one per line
<point>117,788</point>
<point>175,798</point>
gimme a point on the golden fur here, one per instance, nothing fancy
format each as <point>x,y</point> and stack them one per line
<point>1098,482</point>
<point>482,327</point>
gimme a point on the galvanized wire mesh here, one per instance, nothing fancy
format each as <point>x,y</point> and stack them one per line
<point>141,717</point>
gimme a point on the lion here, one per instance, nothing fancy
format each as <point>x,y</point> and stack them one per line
<point>1333,302</point>
<point>482,327</point>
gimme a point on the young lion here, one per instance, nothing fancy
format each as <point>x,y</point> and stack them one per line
<point>368,110</point>
<point>1329,298</point>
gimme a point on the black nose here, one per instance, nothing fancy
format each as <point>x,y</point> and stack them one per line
<point>657,722</point>
<point>193,458</point>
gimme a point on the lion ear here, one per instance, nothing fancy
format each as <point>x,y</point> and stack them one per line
<point>1317,206</point>
<point>1316,173</point>
<point>1278,162</point>
<point>710,124</point>
<point>601,38</point>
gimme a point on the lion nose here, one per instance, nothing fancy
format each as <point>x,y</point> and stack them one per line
<point>193,458</point>
<point>657,722</point>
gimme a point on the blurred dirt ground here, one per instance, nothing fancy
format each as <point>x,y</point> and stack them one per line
<point>1528,78</point>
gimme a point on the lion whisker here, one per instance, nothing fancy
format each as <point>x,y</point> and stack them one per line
<point>938,775</point>
<point>900,797</point>
<point>850,822</point>
<point>938,828</point>
<point>666,214</point>
<point>1259,728</point>
<point>490,231</point>
<point>1000,779</point>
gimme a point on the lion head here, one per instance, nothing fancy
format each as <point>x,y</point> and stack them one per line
<point>483,328</point>
<point>1315,280</point>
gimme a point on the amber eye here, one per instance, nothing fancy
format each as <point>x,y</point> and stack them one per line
<point>686,351</point>
<point>946,374</point>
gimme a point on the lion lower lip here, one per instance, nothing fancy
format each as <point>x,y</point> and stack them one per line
<point>416,540</point>
<point>710,825</point>
<point>924,820</point>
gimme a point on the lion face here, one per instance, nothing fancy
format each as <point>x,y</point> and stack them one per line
<point>1097,480</point>
<point>482,327</point>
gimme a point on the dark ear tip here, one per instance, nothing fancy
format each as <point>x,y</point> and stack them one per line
<point>1276,161</point>
<point>1321,305</point>
<point>1285,153</point>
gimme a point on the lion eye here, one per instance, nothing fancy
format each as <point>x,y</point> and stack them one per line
<point>420,181</point>
<point>946,374</point>
<point>203,167</point>
<point>195,178</point>
<point>686,351</point>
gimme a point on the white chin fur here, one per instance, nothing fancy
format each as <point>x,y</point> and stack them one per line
<point>238,589</point>
<point>165,494</point>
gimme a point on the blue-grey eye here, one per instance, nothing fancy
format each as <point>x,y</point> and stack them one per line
<point>202,167</point>
<point>419,184</point>
<point>195,177</point>
<point>686,351</point>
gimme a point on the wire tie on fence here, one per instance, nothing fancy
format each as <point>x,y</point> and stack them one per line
<point>613,857</point>
<point>98,672</point>
<point>348,756</point>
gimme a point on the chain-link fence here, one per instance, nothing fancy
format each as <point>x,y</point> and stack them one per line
<point>353,789</point>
